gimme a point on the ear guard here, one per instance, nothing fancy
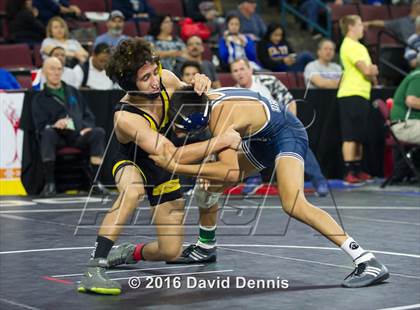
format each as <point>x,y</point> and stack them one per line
<point>194,121</point>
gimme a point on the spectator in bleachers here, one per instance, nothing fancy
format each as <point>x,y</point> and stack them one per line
<point>195,50</point>
<point>68,76</point>
<point>50,8</point>
<point>405,113</point>
<point>414,41</point>
<point>235,45</point>
<point>207,12</point>
<point>201,10</point>
<point>251,23</point>
<point>58,35</point>
<point>62,118</point>
<point>353,97</point>
<point>134,8</point>
<point>269,86</point>
<point>115,25</point>
<point>276,54</point>
<point>92,73</point>
<point>7,80</point>
<point>312,10</point>
<point>323,73</point>
<point>403,27</point>
<point>23,25</point>
<point>169,48</point>
<point>188,70</point>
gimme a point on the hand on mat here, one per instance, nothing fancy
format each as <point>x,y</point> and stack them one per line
<point>165,159</point>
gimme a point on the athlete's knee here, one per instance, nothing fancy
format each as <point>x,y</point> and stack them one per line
<point>292,204</point>
<point>298,208</point>
<point>133,193</point>
<point>205,199</point>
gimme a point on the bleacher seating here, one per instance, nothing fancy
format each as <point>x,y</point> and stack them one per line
<point>144,27</point>
<point>372,12</point>
<point>283,77</point>
<point>4,29</point>
<point>15,56</point>
<point>171,7</point>
<point>83,24</point>
<point>207,55</point>
<point>37,55</point>
<point>25,81</point>
<point>338,11</point>
<point>300,80</point>
<point>371,37</point>
<point>226,79</point>
<point>2,7</point>
<point>399,11</point>
<point>90,5</point>
<point>291,76</point>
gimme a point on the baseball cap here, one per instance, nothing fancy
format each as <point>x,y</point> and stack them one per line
<point>116,13</point>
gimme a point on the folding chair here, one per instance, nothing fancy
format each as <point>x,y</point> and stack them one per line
<point>392,140</point>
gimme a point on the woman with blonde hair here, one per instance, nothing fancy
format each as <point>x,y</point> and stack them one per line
<point>58,35</point>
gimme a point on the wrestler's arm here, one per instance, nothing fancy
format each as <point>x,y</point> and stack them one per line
<point>131,127</point>
<point>226,169</point>
<point>191,153</point>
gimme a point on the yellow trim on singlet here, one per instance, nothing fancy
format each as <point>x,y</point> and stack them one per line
<point>118,164</point>
<point>151,121</point>
<point>165,97</point>
<point>166,187</point>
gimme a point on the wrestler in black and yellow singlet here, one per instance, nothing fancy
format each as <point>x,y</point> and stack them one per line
<point>160,185</point>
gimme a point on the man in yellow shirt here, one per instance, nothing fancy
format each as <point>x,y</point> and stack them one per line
<point>353,97</point>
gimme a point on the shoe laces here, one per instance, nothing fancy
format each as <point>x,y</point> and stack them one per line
<point>189,250</point>
<point>358,270</point>
<point>121,259</point>
<point>99,271</point>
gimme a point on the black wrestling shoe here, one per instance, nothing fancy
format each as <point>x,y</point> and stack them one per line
<point>98,189</point>
<point>48,190</point>
<point>366,273</point>
<point>195,254</point>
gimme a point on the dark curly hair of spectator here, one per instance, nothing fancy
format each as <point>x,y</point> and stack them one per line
<point>273,27</point>
<point>155,25</point>
<point>127,58</point>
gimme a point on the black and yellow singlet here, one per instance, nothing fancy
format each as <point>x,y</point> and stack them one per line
<point>160,185</point>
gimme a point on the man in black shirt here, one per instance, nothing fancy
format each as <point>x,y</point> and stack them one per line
<point>61,118</point>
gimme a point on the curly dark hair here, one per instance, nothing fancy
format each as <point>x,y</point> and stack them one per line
<point>127,58</point>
